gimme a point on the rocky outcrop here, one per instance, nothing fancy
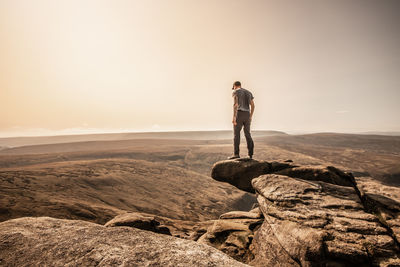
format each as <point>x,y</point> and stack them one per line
<point>45,241</point>
<point>305,216</point>
<point>316,216</point>
<point>240,172</point>
<point>328,174</point>
<point>141,221</point>
<point>384,201</point>
<point>253,214</point>
<point>312,223</point>
<point>233,234</point>
<point>159,224</point>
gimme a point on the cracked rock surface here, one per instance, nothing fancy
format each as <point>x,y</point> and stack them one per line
<point>312,223</point>
<point>319,216</point>
<point>45,241</point>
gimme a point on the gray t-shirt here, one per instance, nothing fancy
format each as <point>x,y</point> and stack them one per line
<point>244,97</point>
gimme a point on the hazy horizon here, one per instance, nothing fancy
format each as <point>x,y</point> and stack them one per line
<point>76,67</point>
<point>72,132</point>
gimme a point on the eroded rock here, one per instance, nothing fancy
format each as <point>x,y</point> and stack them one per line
<point>316,215</point>
<point>45,241</point>
<point>314,223</point>
<point>254,214</point>
<point>328,174</point>
<point>163,225</point>
<point>142,221</point>
<point>384,201</point>
<point>240,172</point>
<point>233,236</point>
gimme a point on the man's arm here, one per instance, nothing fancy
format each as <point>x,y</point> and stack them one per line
<point>252,108</point>
<point>235,106</point>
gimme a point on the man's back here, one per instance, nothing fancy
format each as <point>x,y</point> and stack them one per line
<point>244,98</point>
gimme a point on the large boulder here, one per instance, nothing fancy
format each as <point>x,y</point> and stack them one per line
<point>45,241</point>
<point>313,216</point>
<point>240,172</point>
<point>232,233</point>
<point>318,223</point>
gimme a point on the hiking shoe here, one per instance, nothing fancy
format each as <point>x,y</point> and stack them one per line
<point>234,157</point>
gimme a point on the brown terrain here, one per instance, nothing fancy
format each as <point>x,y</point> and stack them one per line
<point>161,182</point>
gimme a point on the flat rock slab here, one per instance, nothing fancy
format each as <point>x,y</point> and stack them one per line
<point>240,172</point>
<point>328,174</point>
<point>45,241</point>
<point>241,215</point>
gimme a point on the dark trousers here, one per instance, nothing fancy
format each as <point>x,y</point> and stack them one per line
<point>242,119</point>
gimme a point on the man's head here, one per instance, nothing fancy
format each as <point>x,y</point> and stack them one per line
<point>236,85</point>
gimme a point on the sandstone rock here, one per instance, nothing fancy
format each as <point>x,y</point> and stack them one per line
<point>328,174</point>
<point>232,236</point>
<point>199,229</point>
<point>256,210</point>
<point>163,225</point>
<point>139,220</point>
<point>240,172</point>
<point>316,215</point>
<point>255,206</point>
<point>45,241</point>
<point>242,215</point>
<point>316,223</point>
<point>384,201</point>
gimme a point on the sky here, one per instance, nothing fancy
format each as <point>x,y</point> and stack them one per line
<point>82,66</point>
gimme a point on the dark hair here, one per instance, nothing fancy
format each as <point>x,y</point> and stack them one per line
<point>237,83</point>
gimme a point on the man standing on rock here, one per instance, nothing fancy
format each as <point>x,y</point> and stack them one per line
<point>242,115</point>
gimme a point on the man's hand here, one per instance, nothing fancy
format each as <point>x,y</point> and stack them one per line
<point>234,121</point>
